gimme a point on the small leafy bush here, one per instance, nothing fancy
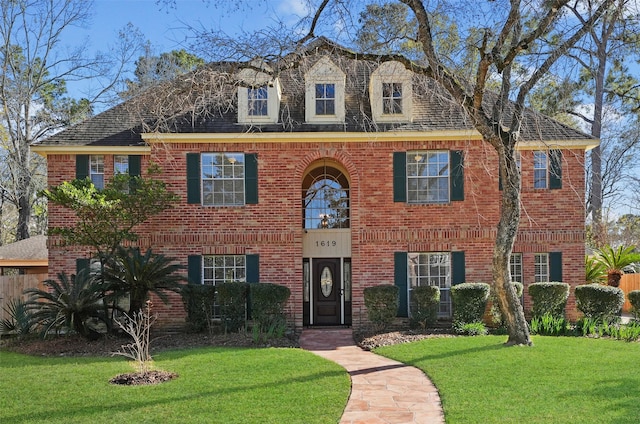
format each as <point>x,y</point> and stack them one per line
<point>471,328</point>
<point>425,301</point>
<point>592,327</point>
<point>198,301</point>
<point>382,305</point>
<point>232,297</point>
<point>267,309</point>
<point>549,298</point>
<point>469,302</point>
<point>599,302</point>
<point>496,314</point>
<point>634,299</point>
<point>548,325</point>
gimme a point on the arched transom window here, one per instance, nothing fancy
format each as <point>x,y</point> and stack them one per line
<point>325,198</point>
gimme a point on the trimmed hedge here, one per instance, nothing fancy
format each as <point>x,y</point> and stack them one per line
<point>469,302</point>
<point>634,299</point>
<point>198,301</point>
<point>232,298</point>
<point>267,308</point>
<point>549,298</point>
<point>425,301</point>
<point>382,304</point>
<point>599,302</point>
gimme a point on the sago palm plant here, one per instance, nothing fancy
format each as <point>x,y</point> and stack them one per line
<point>135,274</point>
<point>68,303</point>
<point>614,260</point>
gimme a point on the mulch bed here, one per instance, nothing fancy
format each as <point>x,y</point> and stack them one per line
<point>143,378</point>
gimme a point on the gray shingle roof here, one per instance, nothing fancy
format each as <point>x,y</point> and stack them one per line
<point>433,109</point>
<point>33,248</point>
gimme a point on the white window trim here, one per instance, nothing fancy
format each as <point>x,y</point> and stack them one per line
<point>324,72</point>
<point>391,72</point>
<point>413,281</point>
<point>96,160</point>
<point>239,179</point>
<point>422,154</point>
<point>541,278</point>
<point>546,169</point>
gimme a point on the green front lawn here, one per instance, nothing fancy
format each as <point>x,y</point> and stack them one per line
<point>558,380</point>
<point>215,385</point>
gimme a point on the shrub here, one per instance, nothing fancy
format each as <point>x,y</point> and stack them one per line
<point>425,301</point>
<point>267,309</point>
<point>634,299</point>
<point>469,302</point>
<point>232,297</point>
<point>18,319</point>
<point>382,305</point>
<point>549,298</point>
<point>495,312</point>
<point>599,302</point>
<point>69,304</point>
<point>198,301</point>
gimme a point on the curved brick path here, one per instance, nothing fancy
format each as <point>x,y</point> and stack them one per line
<point>382,390</point>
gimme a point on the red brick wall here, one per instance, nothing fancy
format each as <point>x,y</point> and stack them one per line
<point>552,220</point>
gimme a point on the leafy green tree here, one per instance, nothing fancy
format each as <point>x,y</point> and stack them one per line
<point>129,272</point>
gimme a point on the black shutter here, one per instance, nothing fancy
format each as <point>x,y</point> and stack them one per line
<point>399,177</point>
<point>82,166</point>
<point>252,265</point>
<point>251,178</point>
<point>457,268</point>
<point>82,264</point>
<point>456,180</point>
<point>400,280</point>
<point>555,169</point>
<point>193,178</point>
<point>555,266</point>
<point>135,165</point>
<point>194,269</point>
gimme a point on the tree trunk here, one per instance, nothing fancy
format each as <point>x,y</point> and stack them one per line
<point>507,229</point>
<point>24,215</point>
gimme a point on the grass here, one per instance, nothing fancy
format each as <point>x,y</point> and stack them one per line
<point>558,380</point>
<point>215,385</point>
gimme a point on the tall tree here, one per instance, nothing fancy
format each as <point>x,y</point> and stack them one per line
<point>34,71</point>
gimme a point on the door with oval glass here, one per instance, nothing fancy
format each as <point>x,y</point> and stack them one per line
<point>326,291</point>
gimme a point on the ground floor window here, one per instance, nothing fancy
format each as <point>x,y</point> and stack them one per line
<point>217,269</point>
<point>432,269</point>
<point>516,267</point>
<point>541,267</point>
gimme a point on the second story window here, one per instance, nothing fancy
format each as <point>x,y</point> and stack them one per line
<point>121,164</point>
<point>540,169</point>
<point>325,99</point>
<point>222,179</point>
<point>428,177</point>
<point>391,98</point>
<point>258,101</point>
<point>96,170</point>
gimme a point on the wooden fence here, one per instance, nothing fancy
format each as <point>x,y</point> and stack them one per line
<point>11,287</point>
<point>629,282</point>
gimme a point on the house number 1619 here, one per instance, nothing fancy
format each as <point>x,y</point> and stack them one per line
<point>326,243</point>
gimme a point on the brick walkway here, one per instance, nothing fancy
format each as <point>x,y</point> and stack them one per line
<point>382,390</point>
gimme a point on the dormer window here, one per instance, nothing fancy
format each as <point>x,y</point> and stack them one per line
<point>324,94</point>
<point>258,97</point>
<point>390,90</point>
<point>258,101</point>
<point>391,98</point>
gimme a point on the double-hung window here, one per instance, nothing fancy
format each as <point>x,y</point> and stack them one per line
<point>391,98</point>
<point>428,177</point>
<point>515,264</point>
<point>541,268</point>
<point>121,164</point>
<point>220,269</point>
<point>325,99</point>
<point>432,269</point>
<point>96,170</point>
<point>540,169</point>
<point>258,101</point>
<point>222,179</point>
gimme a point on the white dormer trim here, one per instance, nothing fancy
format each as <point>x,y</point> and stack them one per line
<point>250,78</point>
<point>390,73</point>
<point>324,72</point>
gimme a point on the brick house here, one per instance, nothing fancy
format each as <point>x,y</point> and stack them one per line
<point>330,176</point>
